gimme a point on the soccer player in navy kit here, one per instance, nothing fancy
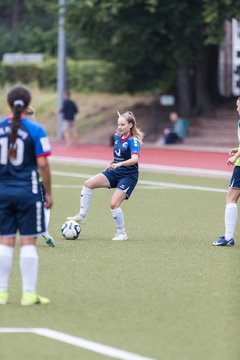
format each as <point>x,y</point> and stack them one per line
<point>121,173</point>
<point>24,148</point>
<point>233,194</point>
<point>31,112</point>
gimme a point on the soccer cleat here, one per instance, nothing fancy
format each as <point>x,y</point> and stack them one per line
<point>49,240</point>
<point>3,297</point>
<point>78,218</point>
<point>120,236</point>
<point>29,299</point>
<point>223,242</point>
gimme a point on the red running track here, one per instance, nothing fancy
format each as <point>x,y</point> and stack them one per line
<point>157,156</point>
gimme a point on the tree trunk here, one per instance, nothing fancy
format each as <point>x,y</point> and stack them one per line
<point>203,85</point>
<point>15,15</point>
<point>183,90</point>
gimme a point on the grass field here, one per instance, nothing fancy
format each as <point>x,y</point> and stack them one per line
<point>167,293</point>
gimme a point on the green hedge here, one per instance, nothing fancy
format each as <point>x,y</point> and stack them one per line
<point>83,76</point>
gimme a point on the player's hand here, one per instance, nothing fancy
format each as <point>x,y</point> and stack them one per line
<point>231,160</point>
<point>107,168</point>
<point>233,152</point>
<point>48,201</point>
<point>115,166</point>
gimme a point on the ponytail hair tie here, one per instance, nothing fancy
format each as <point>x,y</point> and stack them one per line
<point>18,102</point>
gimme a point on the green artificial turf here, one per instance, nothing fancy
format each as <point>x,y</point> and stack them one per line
<point>166,293</point>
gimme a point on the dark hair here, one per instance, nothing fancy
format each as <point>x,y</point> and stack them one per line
<point>18,99</point>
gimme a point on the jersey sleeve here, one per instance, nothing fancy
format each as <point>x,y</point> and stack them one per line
<point>39,136</point>
<point>42,144</point>
<point>134,146</point>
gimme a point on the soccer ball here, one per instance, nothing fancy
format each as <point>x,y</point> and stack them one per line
<point>71,230</point>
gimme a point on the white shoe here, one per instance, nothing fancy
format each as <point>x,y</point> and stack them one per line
<point>78,218</point>
<point>120,236</point>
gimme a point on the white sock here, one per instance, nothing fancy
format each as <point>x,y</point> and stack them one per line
<point>6,256</point>
<point>118,218</point>
<point>47,217</point>
<point>231,214</point>
<point>86,195</point>
<point>47,220</point>
<point>29,267</point>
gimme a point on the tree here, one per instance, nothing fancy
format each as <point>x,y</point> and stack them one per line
<point>158,44</point>
<point>28,26</point>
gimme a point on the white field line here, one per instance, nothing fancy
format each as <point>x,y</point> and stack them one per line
<point>146,183</point>
<point>143,187</point>
<point>146,167</point>
<point>180,186</point>
<point>79,342</point>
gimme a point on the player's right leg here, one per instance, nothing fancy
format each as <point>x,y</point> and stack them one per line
<point>97,181</point>
<point>8,228</point>
<point>6,257</point>
<point>49,240</point>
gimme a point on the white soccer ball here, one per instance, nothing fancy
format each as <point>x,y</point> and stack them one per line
<point>71,230</point>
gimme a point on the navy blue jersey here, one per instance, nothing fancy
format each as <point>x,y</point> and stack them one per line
<point>21,172</point>
<point>123,149</point>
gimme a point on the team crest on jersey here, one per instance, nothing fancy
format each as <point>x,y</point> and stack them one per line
<point>125,145</point>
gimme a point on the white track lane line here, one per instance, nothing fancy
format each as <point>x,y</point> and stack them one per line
<point>181,170</point>
<point>147,182</point>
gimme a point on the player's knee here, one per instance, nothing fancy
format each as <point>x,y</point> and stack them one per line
<point>114,204</point>
<point>87,184</point>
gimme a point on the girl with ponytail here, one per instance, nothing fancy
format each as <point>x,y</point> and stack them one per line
<point>24,148</point>
<point>121,173</point>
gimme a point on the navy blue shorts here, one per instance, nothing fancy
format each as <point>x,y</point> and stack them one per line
<point>116,180</point>
<point>235,179</point>
<point>23,213</point>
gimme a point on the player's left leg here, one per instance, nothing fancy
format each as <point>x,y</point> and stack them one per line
<point>48,238</point>
<point>231,216</point>
<point>231,213</point>
<point>117,214</point>
<point>31,224</point>
<point>125,187</point>
<point>28,261</point>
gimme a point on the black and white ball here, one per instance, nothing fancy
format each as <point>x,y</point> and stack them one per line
<point>71,230</point>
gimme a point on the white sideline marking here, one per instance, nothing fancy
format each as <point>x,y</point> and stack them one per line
<point>147,167</point>
<point>79,342</point>
<point>180,186</point>
<point>181,170</point>
<point>147,183</point>
<point>65,186</point>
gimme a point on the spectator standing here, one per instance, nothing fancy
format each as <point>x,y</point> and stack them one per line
<point>69,111</point>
